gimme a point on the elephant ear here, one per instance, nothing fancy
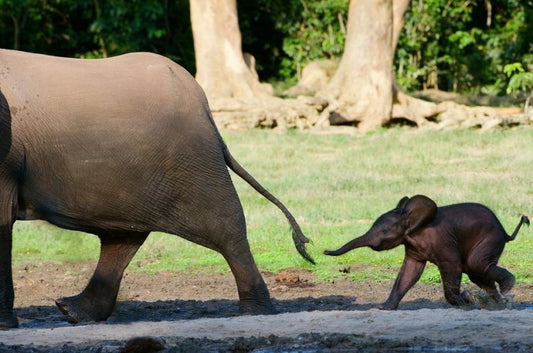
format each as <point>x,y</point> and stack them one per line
<point>419,210</point>
<point>402,203</point>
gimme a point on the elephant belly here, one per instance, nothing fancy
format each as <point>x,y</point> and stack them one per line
<point>144,192</point>
<point>85,210</point>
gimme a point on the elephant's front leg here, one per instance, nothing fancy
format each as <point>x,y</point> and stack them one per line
<point>96,301</point>
<point>409,274</point>
<point>7,294</point>
<point>451,273</point>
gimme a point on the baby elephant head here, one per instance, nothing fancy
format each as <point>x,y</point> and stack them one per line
<point>390,229</point>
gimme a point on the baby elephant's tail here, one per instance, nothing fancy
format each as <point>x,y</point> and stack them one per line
<point>523,219</point>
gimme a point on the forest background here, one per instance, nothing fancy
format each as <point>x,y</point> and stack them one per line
<point>450,45</point>
<point>459,46</point>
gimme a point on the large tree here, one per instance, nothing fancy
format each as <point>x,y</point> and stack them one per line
<point>364,87</point>
<point>221,67</point>
<point>363,81</point>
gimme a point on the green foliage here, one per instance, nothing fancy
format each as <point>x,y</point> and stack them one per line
<point>444,44</point>
<point>96,28</point>
<point>519,80</point>
<point>262,27</point>
<point>336,186</point>
<point>285,35</point>
<point>41,26</point>
<point>124,26</point>
<point>317,33</point>
<point>450,45</point>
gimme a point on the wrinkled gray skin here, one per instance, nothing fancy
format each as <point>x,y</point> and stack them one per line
<point>118,147</point>
<point>457,238</point>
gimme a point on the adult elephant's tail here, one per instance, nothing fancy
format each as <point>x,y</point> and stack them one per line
<point>299,238</point>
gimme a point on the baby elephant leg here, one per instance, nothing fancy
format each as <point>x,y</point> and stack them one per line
<point>504,278</point>
<point>487,281</point>
<point>487,284</point>
<point>451,281</point>
<point>482,264</point>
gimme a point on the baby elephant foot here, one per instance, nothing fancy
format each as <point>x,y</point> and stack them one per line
<point>8,321</point>
<point>388,306</point>
<point>507,284</point>
<point>466,298</point>
<point>81,309</point>
<point>256,307</point>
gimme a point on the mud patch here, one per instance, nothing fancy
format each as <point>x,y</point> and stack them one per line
<point>189,313</point>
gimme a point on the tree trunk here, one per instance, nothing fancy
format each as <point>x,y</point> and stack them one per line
<point>221,68</point>
<point>404,106</point>
<point>363,82</point>
<point>364,90</point>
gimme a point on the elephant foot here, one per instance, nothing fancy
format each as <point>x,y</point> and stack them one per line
<point>507,284</point>
<point>8,321</point>
<point>388,306</point>
<point>81,309</point>
<point>460,299</point>
<point>467,298</point>
<point>256,307</point>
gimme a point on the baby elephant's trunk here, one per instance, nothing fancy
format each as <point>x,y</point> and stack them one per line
<point>353,244</point>
<point>523,219</point>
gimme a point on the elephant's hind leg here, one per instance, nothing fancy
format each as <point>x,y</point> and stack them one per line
<point>209,213</point>
<point>254,298</point>
<point>96,301</point>
<point>229,239</point>
<point>487,284</point>
<point>483,263</point>
<point>504,278</point>
<point>227,235</point>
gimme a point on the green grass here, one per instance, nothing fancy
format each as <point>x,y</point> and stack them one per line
<point>336,185</point>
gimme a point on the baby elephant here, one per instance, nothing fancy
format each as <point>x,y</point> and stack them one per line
<point>458,238</point>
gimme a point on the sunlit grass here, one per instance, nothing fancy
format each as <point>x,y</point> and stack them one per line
<point>336,185</point>
<point>40,241</point>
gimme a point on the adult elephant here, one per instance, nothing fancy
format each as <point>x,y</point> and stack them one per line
<point>118,147</point>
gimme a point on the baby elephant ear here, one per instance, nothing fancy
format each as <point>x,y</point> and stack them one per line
<point>403,202</point>
<point>419,210</point>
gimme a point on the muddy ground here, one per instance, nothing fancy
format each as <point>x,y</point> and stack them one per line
<point>199,313</point>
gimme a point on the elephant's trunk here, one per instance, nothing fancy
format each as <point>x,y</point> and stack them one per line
<point>360,242</point>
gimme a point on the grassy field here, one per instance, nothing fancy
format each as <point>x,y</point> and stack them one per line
<point>336,185</point>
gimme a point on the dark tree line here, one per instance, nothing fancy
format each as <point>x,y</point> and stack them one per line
<point>96,28</point>
<point>451,45</point>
